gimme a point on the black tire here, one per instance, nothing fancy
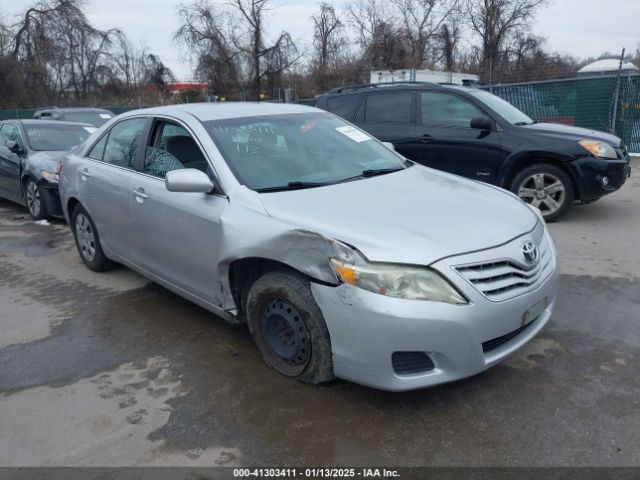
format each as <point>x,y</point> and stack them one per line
<point>267,303</point>
<point>546,186</point>
<point>34,199</point>
<point>88,241</point>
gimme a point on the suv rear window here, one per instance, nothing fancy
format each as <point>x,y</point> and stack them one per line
<point>389,108</point>
<point>344,106</point>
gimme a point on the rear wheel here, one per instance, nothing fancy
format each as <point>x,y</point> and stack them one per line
<point>35,200</point>
<point>546,187</point>
<point>288,327</point>
<point>88,241</point>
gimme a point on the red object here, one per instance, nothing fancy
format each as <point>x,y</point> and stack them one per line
<point>176,87</point>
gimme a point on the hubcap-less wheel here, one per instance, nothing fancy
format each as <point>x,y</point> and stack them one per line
<point>86,238</point>
<point>33,198</point>
<point>544,191</point>
<point>285,335</point>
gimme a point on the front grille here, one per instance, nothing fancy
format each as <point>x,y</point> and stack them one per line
<point>407,363</point>
<point>496,342</point>
<point>505,278</point>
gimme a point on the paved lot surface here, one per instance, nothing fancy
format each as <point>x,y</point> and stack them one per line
<point>107,369</point>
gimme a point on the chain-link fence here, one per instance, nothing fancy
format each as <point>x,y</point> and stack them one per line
<point>583,102</point>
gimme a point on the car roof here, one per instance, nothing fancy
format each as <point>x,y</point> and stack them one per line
<point>380,87</point>
<point>223,110</point>
<point>25,121</point>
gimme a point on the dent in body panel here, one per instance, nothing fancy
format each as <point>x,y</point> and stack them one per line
<point>252,234</point>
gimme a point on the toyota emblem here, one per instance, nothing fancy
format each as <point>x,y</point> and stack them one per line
<point>530,252</point>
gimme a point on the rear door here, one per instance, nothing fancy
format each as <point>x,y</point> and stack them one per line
<point>10,163</point>
<point>105,181</point>
<point>177,234</point>
<point>445,140</point>
<point>390,117</point>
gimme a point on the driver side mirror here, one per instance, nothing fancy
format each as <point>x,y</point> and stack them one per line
<point>14,147</point>
<point>188,180</point>
<point>481,123</point>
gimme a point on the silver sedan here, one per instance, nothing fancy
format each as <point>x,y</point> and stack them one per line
<point>342,257</point>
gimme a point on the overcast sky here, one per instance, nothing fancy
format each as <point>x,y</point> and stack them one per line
<point>583,28</point>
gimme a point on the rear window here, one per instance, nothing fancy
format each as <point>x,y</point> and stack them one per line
<point>389,108</point>
<point>344,106</point>
<point>59,138</point>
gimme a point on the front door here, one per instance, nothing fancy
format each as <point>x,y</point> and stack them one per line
<point>445,140</point>
<point>177,235</point>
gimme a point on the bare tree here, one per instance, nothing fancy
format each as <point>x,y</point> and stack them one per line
<point>205,31</point>
<point>328,44</point>
<point>264,60</point>
<point>495,21</point>
<point>421,26</point>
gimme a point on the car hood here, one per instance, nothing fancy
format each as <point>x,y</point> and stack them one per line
<point>44,160</point>
<point>416,216</point>
<point>573,133</point>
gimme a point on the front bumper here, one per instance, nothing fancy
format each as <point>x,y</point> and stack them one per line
<point>590,172</point>
<point>366,329</point>
<point>51,198</point>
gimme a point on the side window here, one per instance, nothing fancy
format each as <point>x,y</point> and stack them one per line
<point>447,110</point>
<point>122,143</point>
<point>97,152</point>
<point>389,108</point>
<point>10,133</point>
<point>344,106</point>
<point>171,148</point>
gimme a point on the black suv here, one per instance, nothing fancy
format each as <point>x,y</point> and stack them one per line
<point>470,132</point>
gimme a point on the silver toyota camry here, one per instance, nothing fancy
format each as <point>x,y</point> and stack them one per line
<point>342,257</point>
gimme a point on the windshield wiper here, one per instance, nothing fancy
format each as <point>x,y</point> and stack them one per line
<point>373,172</point>
<point>292,186</point>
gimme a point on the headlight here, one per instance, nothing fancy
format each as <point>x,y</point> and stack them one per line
<point>398,281</point>
<point>537,211</point>
<point>50,176</point>
<point>598,149</point>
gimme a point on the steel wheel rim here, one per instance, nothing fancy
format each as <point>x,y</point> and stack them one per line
<point>544,191</point>
<point>86,237</point>
<point>285,336</point>
<point>33,198</point>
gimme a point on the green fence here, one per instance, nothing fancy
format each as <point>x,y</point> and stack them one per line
<point>583,102</point>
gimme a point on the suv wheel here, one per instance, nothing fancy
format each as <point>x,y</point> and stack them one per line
<point>546,187</point>
<point>34,200</point>
<point>288,327</point>
<point>88,241</point>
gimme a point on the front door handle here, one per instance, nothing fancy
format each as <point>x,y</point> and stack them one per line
<point>140,195</point>
<point>85,173</point>
<point>426,138</point>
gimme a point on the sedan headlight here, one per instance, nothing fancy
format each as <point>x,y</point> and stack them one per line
<point>599,149</point>
<point>398,281</point>
<point>49,176</point>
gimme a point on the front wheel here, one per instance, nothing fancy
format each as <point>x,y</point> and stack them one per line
<point>546,187</point>
<point>88,241</point>
<point>35,200</point>
<point>288,327</point>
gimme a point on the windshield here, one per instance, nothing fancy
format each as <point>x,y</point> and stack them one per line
<point>94,118</point>
<point>503,108</point>
<point>56,137</point>
<point>299,150</point>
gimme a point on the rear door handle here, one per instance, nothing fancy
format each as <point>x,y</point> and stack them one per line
<point>426,138</point>
<point>85,173</point>
<point>139,193</point>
